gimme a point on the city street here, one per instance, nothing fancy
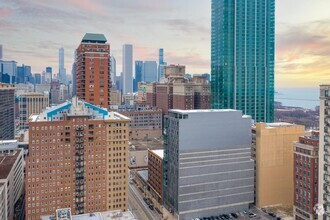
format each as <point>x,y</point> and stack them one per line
<point>138,206</point>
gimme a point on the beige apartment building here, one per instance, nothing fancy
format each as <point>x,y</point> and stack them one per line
<point>146,122</point>
<point>78,159</point>
<point>272,150</point>
<point>31,103</point>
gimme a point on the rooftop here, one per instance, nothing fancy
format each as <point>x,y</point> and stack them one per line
<point>143,174</point>
<point>7,161</point>
<point>107,215</point>
<point>280,124</point>
<point>76,107</point>
<point>159,153</point>
<point>202,111</point>
<point>94,38</point>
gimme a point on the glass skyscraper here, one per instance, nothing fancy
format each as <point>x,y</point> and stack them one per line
<point>242,57</point>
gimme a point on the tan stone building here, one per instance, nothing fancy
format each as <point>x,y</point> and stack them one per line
<point>31,103</point>
<point>146,122</point>
<point>272,150</point>
<point>78,158</point>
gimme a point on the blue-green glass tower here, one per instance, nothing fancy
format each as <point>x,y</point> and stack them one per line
<point>242,57</point>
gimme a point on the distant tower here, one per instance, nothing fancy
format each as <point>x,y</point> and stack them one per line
<point>1,53</point>
<point>93,70</point>
<point>74,70</point>
<point>138,74</point>
<point>62,74</point>
<point>127,68</point>
<point>161,64</point>
<point>149,71</point>
<point>113,71</point>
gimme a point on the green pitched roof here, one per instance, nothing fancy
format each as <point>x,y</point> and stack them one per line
<point>94,38</point>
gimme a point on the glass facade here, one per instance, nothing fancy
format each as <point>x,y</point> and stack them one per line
<point>242,57</point>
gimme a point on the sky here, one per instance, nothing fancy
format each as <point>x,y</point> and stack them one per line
<point>32,31</point>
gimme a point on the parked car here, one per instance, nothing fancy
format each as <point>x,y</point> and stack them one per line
<point>234,215</point>
<point>151,207</point>
<point>272,214</point>
<point>252,215</point>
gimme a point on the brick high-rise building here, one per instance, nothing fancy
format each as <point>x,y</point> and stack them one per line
<point>155,170</point>
<point>78,158</point>
<point>306,176</point>
<point>7,104</point>
<point>179,93</point>
<point>93,78</point>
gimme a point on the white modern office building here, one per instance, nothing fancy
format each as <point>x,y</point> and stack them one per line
<point>207,166</point>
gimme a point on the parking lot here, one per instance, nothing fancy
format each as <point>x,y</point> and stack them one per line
<point>253,213</point>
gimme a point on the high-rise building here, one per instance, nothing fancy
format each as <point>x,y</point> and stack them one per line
<point>1,52</point>
<point>37,78</point>
<point>7,105</point>
<point>161,64</point>
<point>179,93</point>
<point>49,69</point>
<point>78,158</point>
<point>306,168</point>
<point>61,71</point>
<point>138,73</point>
<point>155,173</point>
<point>174,70</point>
<point>31,103</point>
<point>272,151</point>
<point>11,181</point>
<point>242,57</point>
<point>127,68</point>
<point>207,165</point>
<point>8,71</point>
<point>113,71</point>
<point>23,74</point>
<point>324,152</point>
<point>149,71</point>
<point>146,121</point>
<point>93,70</point>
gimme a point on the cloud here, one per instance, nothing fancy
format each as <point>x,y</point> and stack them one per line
<point>5,12</point>
<point>186,26</point>
<point>302,53</point>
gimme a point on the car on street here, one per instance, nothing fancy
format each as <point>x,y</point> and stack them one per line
<point>234,215</point>
<point>272,214</point>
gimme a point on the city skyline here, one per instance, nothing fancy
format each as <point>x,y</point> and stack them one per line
<point>301,53</point>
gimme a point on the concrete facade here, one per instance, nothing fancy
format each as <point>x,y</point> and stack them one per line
<point>11,180</point>
<point>31,103</point>
<point>207,166</point>
<point>7,105</point>
<point>272,150</point>
<point>146,122</point>
<point>324,150</point>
